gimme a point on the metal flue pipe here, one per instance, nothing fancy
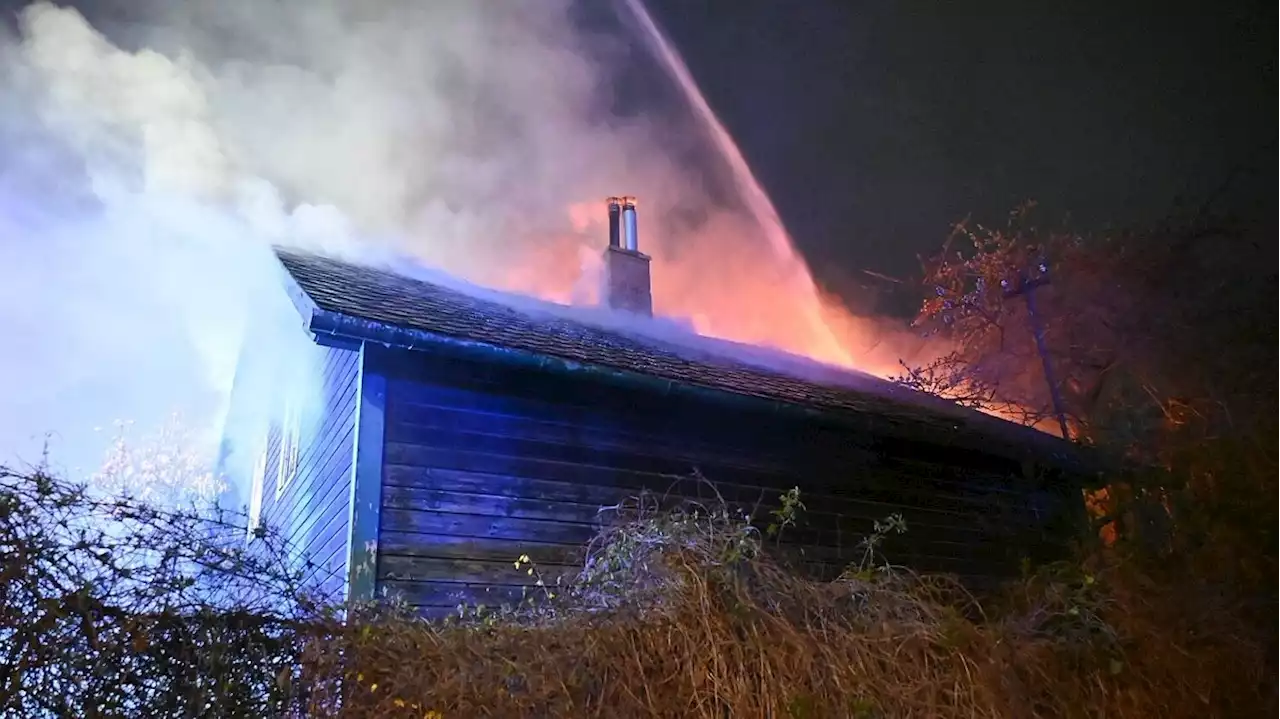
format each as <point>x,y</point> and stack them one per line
<point>631,239</point>
<point>615,221</point>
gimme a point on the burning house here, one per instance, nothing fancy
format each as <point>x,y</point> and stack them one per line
<point>456,431</point>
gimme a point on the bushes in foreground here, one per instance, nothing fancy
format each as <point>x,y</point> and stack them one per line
<point>719,629</point>
<point>680,613</point>
<point>112,607</point>
<point>887,649</point>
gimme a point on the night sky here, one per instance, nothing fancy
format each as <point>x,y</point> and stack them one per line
<point>875,125</point>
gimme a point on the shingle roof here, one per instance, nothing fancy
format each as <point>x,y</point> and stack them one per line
<point>401,301</point>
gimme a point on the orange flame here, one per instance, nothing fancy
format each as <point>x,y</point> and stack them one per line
<point>725,288</point>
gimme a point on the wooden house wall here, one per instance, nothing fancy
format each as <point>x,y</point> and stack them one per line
<point>484,463</point>
<point>313,510</point>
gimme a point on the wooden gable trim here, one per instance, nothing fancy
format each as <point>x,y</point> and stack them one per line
<point>366,479</point>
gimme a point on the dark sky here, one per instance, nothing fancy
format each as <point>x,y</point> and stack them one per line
<point>875,124</point>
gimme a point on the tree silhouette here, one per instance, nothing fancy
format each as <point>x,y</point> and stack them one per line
<point>1159,341</point>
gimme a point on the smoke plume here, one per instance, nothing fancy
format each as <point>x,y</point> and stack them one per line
<point>147,165</point>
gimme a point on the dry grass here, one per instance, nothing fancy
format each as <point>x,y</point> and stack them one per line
<point>111,608</point>
<point>722,632</point>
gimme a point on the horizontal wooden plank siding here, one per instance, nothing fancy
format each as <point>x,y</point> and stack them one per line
<point>484,462</point>
<point>313,507</point>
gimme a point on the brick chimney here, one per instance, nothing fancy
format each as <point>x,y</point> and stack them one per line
<point>626,269</point>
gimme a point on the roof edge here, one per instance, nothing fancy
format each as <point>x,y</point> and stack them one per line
<point>302,302</point>
<point>336,326</point>
<point>329,326</point>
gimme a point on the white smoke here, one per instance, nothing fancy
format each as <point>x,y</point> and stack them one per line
<point>145,172</point>
<point>140,191</point>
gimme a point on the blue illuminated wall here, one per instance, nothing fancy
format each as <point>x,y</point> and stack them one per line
<point>424,474</point>
<point>482,462</point>
<point>314,507</point>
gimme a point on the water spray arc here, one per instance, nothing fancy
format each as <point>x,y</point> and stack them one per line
<point>748,187</point>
